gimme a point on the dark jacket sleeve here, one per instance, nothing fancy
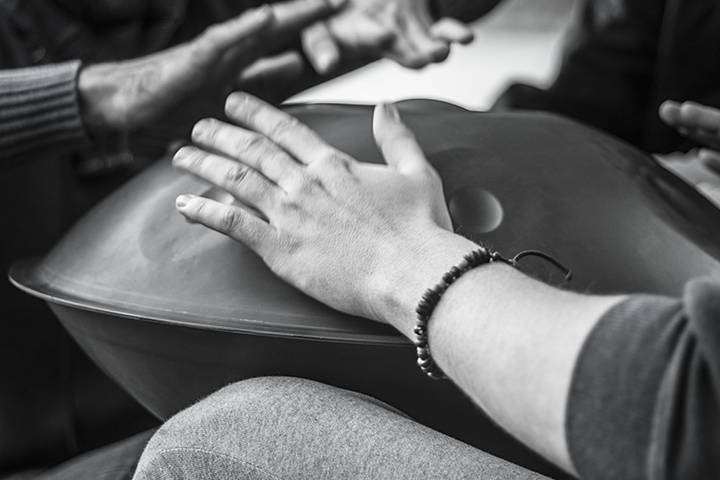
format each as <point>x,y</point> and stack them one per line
<point>607,72</point>
<point>39,112</point>
<point>465,10</point>
<point>645,397</point>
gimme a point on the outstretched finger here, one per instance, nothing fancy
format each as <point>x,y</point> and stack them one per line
<point>320,47</point>
<point>247,147</point>
<point>274,24</point>
<point>219,38</point>
<point>230,220</point>
<point>241,181</point>
<point>690,116</point>
<point>452,31</point>
<point>396,141</point>
<point>429,48</point>
<point>283,129</point>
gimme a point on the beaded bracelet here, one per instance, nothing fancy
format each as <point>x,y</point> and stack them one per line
<point>432,296</point>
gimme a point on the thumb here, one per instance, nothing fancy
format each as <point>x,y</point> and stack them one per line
<point>396,141</point>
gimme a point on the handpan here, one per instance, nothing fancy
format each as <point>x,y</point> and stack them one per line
<point>174,311</point>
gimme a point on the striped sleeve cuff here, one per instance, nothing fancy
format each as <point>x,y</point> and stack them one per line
<point>39,111</point>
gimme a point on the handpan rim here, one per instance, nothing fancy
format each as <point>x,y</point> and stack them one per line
<point>25,275</point>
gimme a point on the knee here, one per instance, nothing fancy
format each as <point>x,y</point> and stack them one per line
<point>250,412</point>
<point>241,428</point>
<point>247,402</point>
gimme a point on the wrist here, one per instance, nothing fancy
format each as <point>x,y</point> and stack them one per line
<point>397,292</point>
<point>96,94</point>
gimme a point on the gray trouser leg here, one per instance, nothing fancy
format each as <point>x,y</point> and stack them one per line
<point>288,428</point>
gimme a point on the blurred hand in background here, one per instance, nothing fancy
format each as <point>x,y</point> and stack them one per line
<point>127,95</point>
<point>700,124</point>
<point>402,30</point>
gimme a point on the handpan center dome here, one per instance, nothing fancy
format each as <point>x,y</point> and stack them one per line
<point>473,207</point>
<point>475,210</point>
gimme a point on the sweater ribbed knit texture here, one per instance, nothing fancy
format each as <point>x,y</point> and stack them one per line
<point>39,111</point>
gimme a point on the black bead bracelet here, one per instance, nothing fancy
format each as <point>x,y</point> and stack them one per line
<point>432,296</point>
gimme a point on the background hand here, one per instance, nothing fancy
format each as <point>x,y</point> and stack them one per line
<point>344,232</point>
<point>402,30</point>
<point>127,95</point>
<point>697,122</point>
<point>702,125</point>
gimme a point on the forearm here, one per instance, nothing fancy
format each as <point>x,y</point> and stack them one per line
<point>510,342</point>
<point>39,112</point>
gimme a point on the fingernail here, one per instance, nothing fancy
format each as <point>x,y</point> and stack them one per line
<point>325,61</point>
<point>234,100</point>
<point>180,155</point>
<point>182,201</point>
<point>198,131</point>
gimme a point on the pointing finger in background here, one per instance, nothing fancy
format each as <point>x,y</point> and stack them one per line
<point>320,47</point>
<point>691,115</point>
<point>245,28</point>
<point>275,23</point>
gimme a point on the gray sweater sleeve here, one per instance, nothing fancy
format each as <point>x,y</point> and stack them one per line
<point>645,397</point>
<point>39,112</point>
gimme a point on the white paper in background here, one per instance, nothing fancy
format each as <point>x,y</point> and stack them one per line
<point>520,40</point>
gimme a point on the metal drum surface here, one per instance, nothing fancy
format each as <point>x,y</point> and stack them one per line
<point>174,311</point>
